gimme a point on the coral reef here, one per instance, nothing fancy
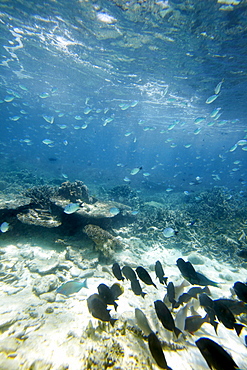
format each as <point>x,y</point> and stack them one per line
<point>123,193</point>
<point>40,195</point>
<point>44,206</point>
<point>13,201</point>
<point>104,241</point>
<point>39,217</point>
<point>75,191</point>
<point>102,209</point>
<point>108,355</point>
<point>217,204</point>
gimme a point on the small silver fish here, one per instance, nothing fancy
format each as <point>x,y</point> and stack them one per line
<point>211,99</point>
<point>135,170</point>
<point>168,232</point>
<point>4,227</point>
<point>72,208</point>
<point>114,211</point>
<point>218,87</point>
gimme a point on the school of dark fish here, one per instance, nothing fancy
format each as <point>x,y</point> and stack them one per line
<point>216,311</point>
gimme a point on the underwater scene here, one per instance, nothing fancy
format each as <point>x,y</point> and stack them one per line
<point>123,186</point>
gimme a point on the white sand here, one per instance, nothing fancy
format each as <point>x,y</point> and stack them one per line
<point>60,338</point>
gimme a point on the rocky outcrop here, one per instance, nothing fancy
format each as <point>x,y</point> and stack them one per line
<point>74,192</point>
<point>104,241</point>
<point>44,205</point>
<point>39,217</point>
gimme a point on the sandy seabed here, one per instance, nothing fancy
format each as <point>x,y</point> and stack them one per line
<point>40,329</point>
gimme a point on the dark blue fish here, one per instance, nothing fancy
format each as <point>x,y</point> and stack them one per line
<point>144,276</point>
<point>188,271</point>
<point>106,295</point>
<point>157,352</point>
<point>165,317</point>
<point>216,357</point>
<point>136,287</point>
<point>160,273</point>
<point>225,316</point>
<point>204,281</point>
<point>117,271</point>
<point>129,273</point>
<point>193,277</point>
<point>71,287</point>
<point>98,308</point>
<point>241,291</point>
<point>171,295</point>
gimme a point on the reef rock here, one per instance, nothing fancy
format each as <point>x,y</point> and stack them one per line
<point>45,284</point>
<point>9,345</point>
<point>40,365</point>
<point>13,201</point>
<point>41,195</point>
<point>7,319</point>
<point>74,191</point>
<point>104,241</point>
<point>8,363</point>
<point>39,217</point>
<point>101,209</point>
<point>43,265</point>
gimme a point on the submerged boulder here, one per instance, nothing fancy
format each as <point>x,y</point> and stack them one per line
<point>104,241</point>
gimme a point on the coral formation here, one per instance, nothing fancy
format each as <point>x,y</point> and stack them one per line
<point>13,201</point>
<point>75,191</point>
<point>122,193</point>
<point>40,195</point>
<point>104,241</point>
<point>102,209</point>
<point>39,217</point>
<point>217,203</point>
<point>108,355</point>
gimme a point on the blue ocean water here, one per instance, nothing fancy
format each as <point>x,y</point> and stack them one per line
<point>123,139</point>
<point>91,90</point>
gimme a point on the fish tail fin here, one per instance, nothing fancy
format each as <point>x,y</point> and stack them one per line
<point>215,325</point>
<point>85,284</point>
<point>112,321</point>
<point>177,332</point>
<point>206,290</point>
<point>175,304</point>
<point>238,328</point>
